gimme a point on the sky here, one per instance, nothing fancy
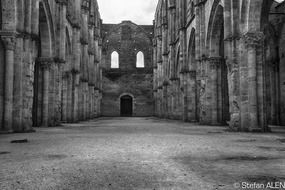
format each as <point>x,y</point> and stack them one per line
<point>138,11</point>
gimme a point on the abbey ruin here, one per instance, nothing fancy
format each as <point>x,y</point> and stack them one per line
<point>214,62</point>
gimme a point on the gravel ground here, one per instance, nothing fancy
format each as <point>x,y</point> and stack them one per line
<point>140,153</point>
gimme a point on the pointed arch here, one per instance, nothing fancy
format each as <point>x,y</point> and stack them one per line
<point>192,51</point>
<point>140,60</point>
<point>216,31</point>
<point>115,64</point>
<point>254,14</point>
<point>46,29</point>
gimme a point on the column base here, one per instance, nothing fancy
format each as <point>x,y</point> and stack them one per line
<point>26,131</point>
<point>6,132</point>
<point>255,130</point>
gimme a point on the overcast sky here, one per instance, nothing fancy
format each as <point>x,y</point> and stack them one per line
<point>138,11</point>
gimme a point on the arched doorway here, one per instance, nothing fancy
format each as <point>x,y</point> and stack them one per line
<point>126,106</point>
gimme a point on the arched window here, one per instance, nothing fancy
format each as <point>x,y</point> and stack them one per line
<point>140,60</point>
<point>115,60</point>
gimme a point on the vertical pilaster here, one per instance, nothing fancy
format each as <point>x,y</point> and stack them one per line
<point>9,43</point>
<point>45,104</point>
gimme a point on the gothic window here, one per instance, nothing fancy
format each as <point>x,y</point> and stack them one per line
<point>140,60</point>
<point>115,60</point>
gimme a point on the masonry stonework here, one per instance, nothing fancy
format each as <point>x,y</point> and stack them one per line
<point>127,39</point>
<point>50,53</point>
<point>220,62</point>
<point>214,62</point>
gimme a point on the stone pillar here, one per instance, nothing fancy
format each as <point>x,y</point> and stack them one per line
<point>159,90</point>
<point>191,96</point>
<point>45,64</point>
<point>65,97</point>
<point>9,43</point>
<point>274,94</point>
<point>176,94</point>
<point>253,41</point>
<point>18,87</point>
<point>75,93</point>
<point>215,64</point>
<point>75,72</point>
<point>172,99</point>
<point>205,92</point>
<point>165,98</point>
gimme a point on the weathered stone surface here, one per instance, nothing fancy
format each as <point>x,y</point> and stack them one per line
<point>127,39</point>
<point>237,57</point>
<point>39,45</point>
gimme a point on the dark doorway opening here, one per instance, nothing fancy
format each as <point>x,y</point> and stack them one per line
<point>126,106</point>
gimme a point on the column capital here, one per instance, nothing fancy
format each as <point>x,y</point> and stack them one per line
<point>9,42</point>
<point>253,39</point>
<point>174,79</point>
<point>215,62</point>
<point>45,62</point>
<point>193,73</point>
<point>59,60</point>
<point>61,2</point>
<point>166,83</point>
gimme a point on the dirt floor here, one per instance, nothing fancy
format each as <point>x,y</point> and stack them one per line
<point>140,153</point>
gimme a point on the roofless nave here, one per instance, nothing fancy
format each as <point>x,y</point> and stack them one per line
<point>215,62</point>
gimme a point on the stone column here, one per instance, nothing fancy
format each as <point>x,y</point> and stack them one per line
<point>172,99</point>
<point>191,96</point>
<point>9,43</point>
<point>175,87</point>
<point>165,99</point>
<point>215,67</point>
<point>253,41</point>
<point>159,90</point>
<point>18,87</point>
<point>75,72</point>
<point>45,64</point>
<point>65,97</point>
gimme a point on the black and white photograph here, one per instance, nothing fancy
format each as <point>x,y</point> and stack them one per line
<point>142,94</point>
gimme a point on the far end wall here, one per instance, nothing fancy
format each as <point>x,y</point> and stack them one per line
<point>127,82</point>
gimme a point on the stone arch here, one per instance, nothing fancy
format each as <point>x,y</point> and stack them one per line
<point>217,85</point>
<point>127,94</point>
<point>115,60</point>
<point>215,34</point>
<point>253,14</point>
<point>46,30</point>
<point>42,67</point>
<point>192,51</point>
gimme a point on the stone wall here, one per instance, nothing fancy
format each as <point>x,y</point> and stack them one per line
<point>127,39</point>
<point>50,63</point>
<point>220,62</point>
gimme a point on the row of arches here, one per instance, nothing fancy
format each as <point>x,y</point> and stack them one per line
<point>225,68</point>
<point>115,63</point>
<point>46,82</point>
